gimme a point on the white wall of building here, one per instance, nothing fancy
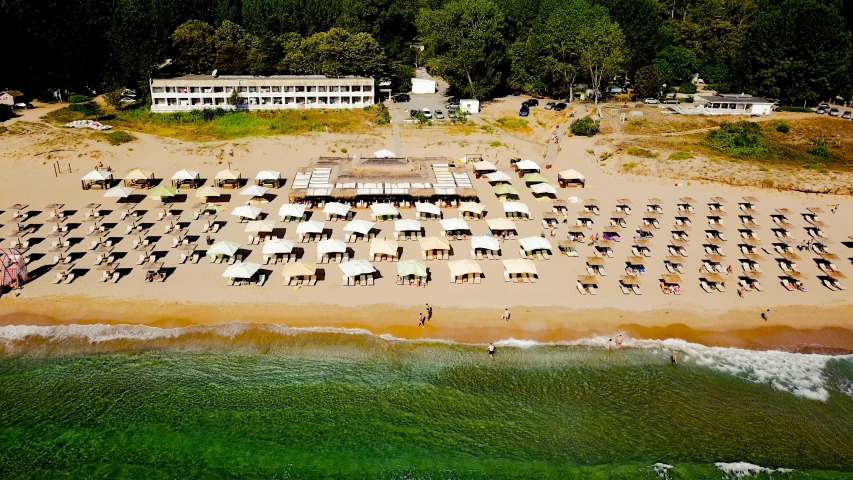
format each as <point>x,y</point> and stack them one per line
<point>469,105</point>
<point>422,85</point>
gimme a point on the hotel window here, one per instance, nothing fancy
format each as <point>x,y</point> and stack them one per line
<point>367,89</point>
<point>242,89</point>
<point>276,89</point>
<point>356,88</point>
<point>218,89</point>
<point>300,89</point>
<point>345,89</point>
<point>253,89</point>
<point>158,89</point>
<point>159,101</point>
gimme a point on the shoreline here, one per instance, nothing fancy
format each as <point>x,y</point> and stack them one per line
<point>813,330</point>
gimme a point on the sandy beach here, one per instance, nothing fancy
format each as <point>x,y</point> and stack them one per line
<point>549,310</point>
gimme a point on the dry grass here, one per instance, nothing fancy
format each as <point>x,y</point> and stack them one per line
<point>653,122</point>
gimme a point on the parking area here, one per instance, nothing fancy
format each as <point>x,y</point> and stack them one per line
<point>433,102</point>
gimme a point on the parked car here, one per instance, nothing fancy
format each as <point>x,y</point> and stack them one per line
<point>560,107</point>
<point>833,112</point>
<point>19,105</point>
<point>550,105</point>
<point>672,101</point>
<point>532,102</point>
<point>451,114</point>
<point>439,114</point>
<point>651,101</point>
<point>413,113</point>
<point>822,108</point>
<point>401,97</point>
<point>427,113</point>
<point>525,110</point>
<point>452,104</point>
<point>847,115</point>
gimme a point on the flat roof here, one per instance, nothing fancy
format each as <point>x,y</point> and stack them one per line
<point>732,98</point>
<point>253,77</point>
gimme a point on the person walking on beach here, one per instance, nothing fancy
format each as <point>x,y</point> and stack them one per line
<point>674,359</point>
<point>729,270</point>
<point>429,312</point>
<point>608,343</point>
<point>505,316</point>
<point>766,315</point>
<point>421,319</point>
<point>491,350</point>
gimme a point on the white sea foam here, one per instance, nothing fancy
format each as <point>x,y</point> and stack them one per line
<point>800,374</point>
<point>741,470</point>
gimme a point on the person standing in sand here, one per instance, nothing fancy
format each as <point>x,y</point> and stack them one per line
<point>421,319</point>
<point>491,350</point>
<point>505,316</point>
<point>429,312</point>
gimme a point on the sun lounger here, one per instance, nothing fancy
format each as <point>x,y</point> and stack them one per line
<point>58,278</point>
<point>261,280</point>
<point>624,288</point>
<point>601,271</point>
<point>506,277</point>
<point>787,285</point>
<point>705,286</point>
<point>636,289</point>
<point>838,285</point>
<point>720,287</point>
<point>580,288</point>
<point>230,281</point>
<point>69,278</point>
<point>232,259</point>
<point>214,228</point>
<point>525,279</point>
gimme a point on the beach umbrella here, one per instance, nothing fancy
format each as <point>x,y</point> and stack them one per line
<point>505,189</point>
<point>498,177</point>
<point>407,225</point>
<point>185,175</point>
<point>161,191</point>
<point>119,192</point>
<point>311,226</point>
<point>268,175</point>
<point>380,246</point>
<point>415,268</point>
<point>299,269</point>
<point>534,178</point>
<point>277,245</point>
<point>384,154</point>
<point>530,244</point>
<point>247,211</point>
<point>294,210</point>
<point>254,191</point>
<point>460,268</point>
<point>454,224</point>
<point>336,208</point>
<point>356,267</point>
<point>241,270</point>
<point>138,174</point>
<point>433,243</point>
<point>500,224</point>
<point>516,207</point>
<point>472,207</point>
<point>384,210</point>
<point>527,165</point>
<point>520,266</point>
<point>428,208</point>
<point>223,248</point>
<point>359,226</point>
<point>543,189</point>
<point>485,243</point>
<point>325,247</point>
<point>260,226</point>
<point>205,192</point>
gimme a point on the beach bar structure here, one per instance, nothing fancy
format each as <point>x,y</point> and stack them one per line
<point>268,177</point>
<point>186,179</point>
<point>97,179</point>
<point>228,179</point>
<point>483,168</point>
<point>278,92</point>
<point>571,178</point>
<point>139,178</point>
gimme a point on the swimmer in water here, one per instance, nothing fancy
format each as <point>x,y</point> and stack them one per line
<point>619,341</point>
<point>674,359</point>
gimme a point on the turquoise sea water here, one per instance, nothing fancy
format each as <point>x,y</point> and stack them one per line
<point>257,401</point>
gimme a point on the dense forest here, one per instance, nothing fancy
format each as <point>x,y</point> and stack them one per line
<point>794,50</point>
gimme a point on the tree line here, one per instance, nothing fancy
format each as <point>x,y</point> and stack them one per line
<point>798,51</point>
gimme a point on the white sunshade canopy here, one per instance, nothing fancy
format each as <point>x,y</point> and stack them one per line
<point>485,242</point>
<point>325,247</point>
<point>575,199</point>
<point>543,189</point>
<point>500,224</point>
<point>336,208</point>
<point>384,209</point>
<point>138,174</point>
<point>224,248</point>
<point>256,226</point>
<point>384,154</point>
<point>454,224</point>
<point>520,265</point>
<point>295,210</point>
<point>423,207</point>
<point>356,267</point>
<point>247,211</point>
<point>473,207</point>
<point>205,192</point>
<point>268,175</point>
<point>517,207</point>
<point>527,165</point>
<point>227,175</point>
<point>498,177</point>
<point>380,246</point>
<point>407,225</point>
<point>254,191</point>
<point>185,175</point>
<point>433,243</point>
<point>359,226</point>
<point>119,192</point>
<point>311,226</point>
<point>529,244</point>
<point>459,268</point>
<point>97,176</point>
<point>277,245</point>
<point>484,166</point>
<point>241,270</point>
<point>571,174</point>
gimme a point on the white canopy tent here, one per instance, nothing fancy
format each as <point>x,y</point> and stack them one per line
<point>520,266</point>
<point>498,177</point>
<point>384,154</point>
<point>254,191</point>
<point>294,210</point>
<point>241,270</point>
<point>428,208</point>
<point>472,207</point>
<point>484,166</point>
<point>501,224</point>
<point>527,166</point>
<point>531,244</point>
<point>97,176</point>
<point>570,176</point>
<point>543,189</point>
<point>119,192</point>
<point>277,245</point>
<point>359,226</point>
<point>325,247</point>
<point>247,211</point>
<point>484,242</point>
<point>516,207</point>
<point>380,246</point>
<point>336,208</point>
<point>384,210</point>
<point>311,226</point>
<point>454,225</point>
<point>353,268</point>
<point>268,175</point>
<point>407,225</point>
<point>184,175</point>
<point>227,175</point>
<point>461,268</point>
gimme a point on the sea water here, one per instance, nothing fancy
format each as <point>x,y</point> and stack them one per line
<point>264,401</point>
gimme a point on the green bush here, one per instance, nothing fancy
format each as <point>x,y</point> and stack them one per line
<point>344,150</point>
<point>680,155</point>
<point>689,99</point>
<point>383,116</point>
<point>820,151</point>
<point>742,139</point>
<point>78,99</point>
<point>687,88</point>
<point>585,127</point>
<point>118,137</point>
<point>794,109</point>
<point>781,126</point>
<point>88,109</point>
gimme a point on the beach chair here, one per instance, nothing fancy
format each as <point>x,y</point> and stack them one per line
<point>230,281</point>
<point>183,258</point>
<point>345,280</point>
<point>705,286</point>
<point>58,278</point>
<point>167,228</point>
<point>669,267</point>
<point>837,284</point>
<point>757,286</point>
<point>515,279</point>
<point>69,278</point>
<point>115,277</point>
<point>370,280</point>
<point>213,258</point>
<point>477,279</point>
<point>581,290</point>
<point>828,284</point>
<point>239,257</point>
<point>720,288</point>
<point>636,289</point>
<point>602,272</point>
<point>232,259</point>
<point>214,228</point>
<point>261,280</point>
<point>624,288</point>
<point>506,276</point>
<point>593,290</point>
<point>196,257</point>
<point>93,245</point>
<point>266,259</point>
<point>526,279</point>
<point>105,277</point>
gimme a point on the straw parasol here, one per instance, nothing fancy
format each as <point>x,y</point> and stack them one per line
<point>241,270</point>
<point>588,279</point>
<point>630,279</point>
<point>790,256</point>
<point>671,278</point>
<point>655,201</point>
<point>635,260</point>
<point>687,200</point>
<point>750,199</point>
<point>414,268</point>
<point>753,257</point>
<point>715,258</point>
<point>520,266</point>
<point>718,200</point>
<point>675,260</point>
<point>713,277</point>
<point>623,201</point>
<point>433,243</point>
<point>299,269</point>
<point>595,261</point>
<point>381,246</point>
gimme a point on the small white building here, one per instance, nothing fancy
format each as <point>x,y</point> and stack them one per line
<point>422,82</point>
<point>197,92</point>
<point>733,104</point>
<point>469,105</point>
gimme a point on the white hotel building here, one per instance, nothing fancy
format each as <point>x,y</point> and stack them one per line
<point>196,92</point>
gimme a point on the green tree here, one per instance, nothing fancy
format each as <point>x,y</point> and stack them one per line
<point>232,59</point>
<point>114,97</point>
<point>644,34</point>
<point>465,45</point>
<point>602,49</point>
<point>647,82</point>
<point>193,43</point>
<point>234,98</point>
<point>229,33</point>
<point>675,64</point>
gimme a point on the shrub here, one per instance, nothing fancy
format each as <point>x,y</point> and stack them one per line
<point>118,137</point>
<point>794,109</point>
<point>88,109</point>
<point>343,150</point>
<point>114,97</point>
<point>744,139</point>
<point>641,152</point>
<point>687,87</point>
<point>767,183</point>
<point>585,127</point>
<point>383,116</point>
<point>628,166</point>
<point>78,99</point>
<point>689,99</point>
<point>495,144</point>
<point>781,126</point>
<point>820,151</point>
<point>680,155</point>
